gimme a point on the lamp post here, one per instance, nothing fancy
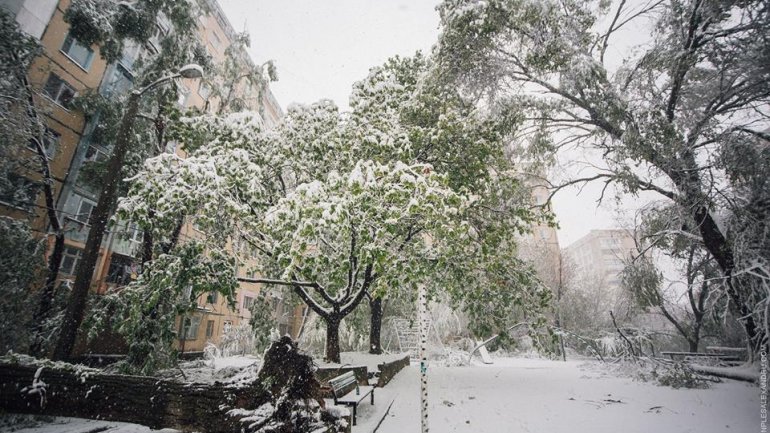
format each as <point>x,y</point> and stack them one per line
<point>100,215</point>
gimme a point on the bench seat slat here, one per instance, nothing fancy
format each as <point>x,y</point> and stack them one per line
<point>352,397</point>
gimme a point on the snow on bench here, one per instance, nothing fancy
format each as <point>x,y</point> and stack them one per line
<point>685,355</point>
<point>346,391</point>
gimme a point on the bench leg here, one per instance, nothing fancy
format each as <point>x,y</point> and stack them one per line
<point>372,397</point>
<point>354,414</point>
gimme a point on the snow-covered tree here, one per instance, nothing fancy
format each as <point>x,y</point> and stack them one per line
<point>111,25</point>
<point>402,111</point>
<point>344,206</point>
<point>666,120</point>
<point>689,303</point>
<point>23,137</point>
<point>21,263</point>
<point>145,312</point>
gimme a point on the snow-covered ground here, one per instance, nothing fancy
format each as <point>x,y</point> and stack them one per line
<point>511,395</point>
<point>59,424</point>
<point>231,369</point>
<point>534,395</point>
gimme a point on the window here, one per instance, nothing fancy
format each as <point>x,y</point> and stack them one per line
<point>135,234</point>
<point>59,91</point>
<point>204,90</point>
<point>121,270</point>
<point>158,33</point>
<point>77,52</point>
<point>248,301</point>
<point>20,193</point>
<point>182,94</point>
<point>120,82</point>
<point>50,142</point>
<point>85,208</point>
<point>190,328</point>
<point>132,50</point>
<point>70,259</point>
<point>227,326</point>
<point>212,298</point>
<point>95,154</point>
<point>209,329</point>
<point>216,42</point>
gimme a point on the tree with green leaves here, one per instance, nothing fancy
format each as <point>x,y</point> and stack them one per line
<point>21,263</point>
<point>345,206</point>
<point>23,126</point>
<point>666,120</point>
<point>111,25</point>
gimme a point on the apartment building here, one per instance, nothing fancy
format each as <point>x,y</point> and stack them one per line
<point>540,246</point>
<point>65,69</point>
<point>603,253</point>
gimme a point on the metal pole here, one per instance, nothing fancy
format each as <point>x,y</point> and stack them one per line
<point>423,317</point>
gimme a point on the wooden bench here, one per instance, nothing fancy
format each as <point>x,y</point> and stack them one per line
<point>346,391</point>
<point>685,355</point>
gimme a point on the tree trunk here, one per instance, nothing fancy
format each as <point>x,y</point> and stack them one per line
<point>692,345</point>
<point>47,295</point>
<point>332,339</point>
<point>45,302</point>
<point>156,403</point>
<point>375,326</point>
<point>100,216</point>
<point>687,181</point>
<point>147,246</point>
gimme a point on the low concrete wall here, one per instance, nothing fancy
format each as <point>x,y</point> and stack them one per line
<point>389,370</point>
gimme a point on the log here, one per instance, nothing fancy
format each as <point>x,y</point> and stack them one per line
<point>60,389</point>
<point>284,397</point>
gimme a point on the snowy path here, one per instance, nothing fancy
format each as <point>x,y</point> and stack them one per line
<point>522,395</point>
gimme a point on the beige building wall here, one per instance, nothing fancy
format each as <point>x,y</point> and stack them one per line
<point>603,253</point>
<point>66,124</point>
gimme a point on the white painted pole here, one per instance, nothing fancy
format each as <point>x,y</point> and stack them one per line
<point>424,323</point>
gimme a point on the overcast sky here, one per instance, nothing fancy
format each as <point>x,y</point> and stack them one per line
<point>321,47</point>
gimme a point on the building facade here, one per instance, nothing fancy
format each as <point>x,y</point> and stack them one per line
<point>602,253</point>
<point>66,69</point>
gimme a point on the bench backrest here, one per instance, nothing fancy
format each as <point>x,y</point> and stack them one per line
<point>343,383</point>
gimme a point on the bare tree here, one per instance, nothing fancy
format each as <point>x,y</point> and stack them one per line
<point>662,122</point>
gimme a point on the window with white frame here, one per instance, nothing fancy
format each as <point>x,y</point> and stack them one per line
<point>77,52</point>
<point>120,81</point>
<point>248,301</point>
<point>190,328</point>
<point>158,33</point>
<point>85,207</point>
<point>59,91</point>
<point>70,259</point>
<point>182,94</point>
<point>216,41</point>
<point>93,153</point>
<point>204,90</point>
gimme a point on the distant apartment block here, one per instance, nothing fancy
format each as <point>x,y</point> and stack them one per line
<point>602,253</point>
